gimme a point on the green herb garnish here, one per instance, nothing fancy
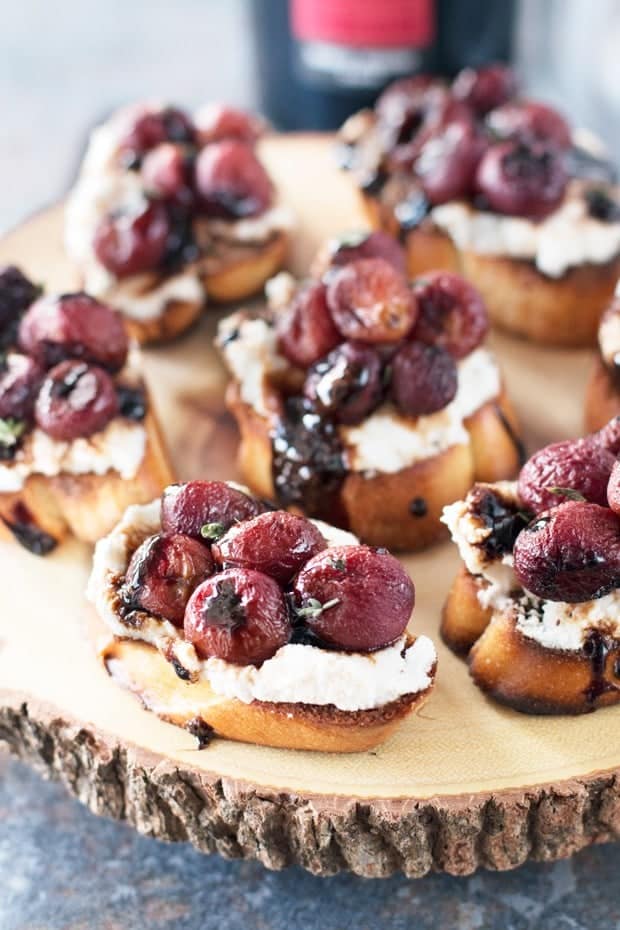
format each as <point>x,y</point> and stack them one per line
<point>338,564</point>
<point>11,431</point>
<point>314,608</point>
<point>212,531</point>
<point>569,493</point>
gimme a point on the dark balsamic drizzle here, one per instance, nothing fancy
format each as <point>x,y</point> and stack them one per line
<point>597,648</point>
<point>512,435</point>
<point>131,402</point>
<point>201,730</point>
<point>375,182</point>
<point>503,518</point>
<point>26,532</point>
<point>601,206</point>
<point>418,507</point>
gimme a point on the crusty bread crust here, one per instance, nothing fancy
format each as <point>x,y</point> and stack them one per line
<point>602,397</point>
<point>553,311</point>
<point>142,670</point>
<point>176,317</point>
<point>515,669</point>
<point>463,619</point>
<point>378,507</point>
<point>88,506</point>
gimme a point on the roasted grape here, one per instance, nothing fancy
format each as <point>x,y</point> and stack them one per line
<point>238,615</point>
<point>408,111</point>
<point>152,127</point>
<point>451,313</point>
<point>570,553</point>
<point>376,244</point>
<point>530,122</point>
<point>485,88</point>
<point>231,181</point>
<point>216,121</point>
<point>275,543</point>
<point>75,400</point>
<point>370,301</point>
<point>521,180</point>
<point>578,467</point>
<point>446,165</point>
<point>306,331</point>
<point>131,243</point>
<point>163,574</point>
<point>354,597</point>
<point>165,171</point>
<point>205,509</point>
<point>424,379</point>
<point>74,326</point>
<point>20,380</point>
<point>347,383</point>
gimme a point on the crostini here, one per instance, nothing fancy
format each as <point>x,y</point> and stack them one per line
<point>603,390</point>
<point>78,438</point>
<point>475,180</point>
<point>258,625</point>
<point>366,400</point>
<point>170,210</point>
<point>536,606</point>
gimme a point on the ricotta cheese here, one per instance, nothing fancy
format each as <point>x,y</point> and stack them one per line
<point>556,625</point>
<point>296,673</point>
<point>569,237</point>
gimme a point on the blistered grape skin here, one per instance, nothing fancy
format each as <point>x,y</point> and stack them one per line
<point>570,553</point>
<point>231,181</point>
<point>530,121</point>
<point>306,331</point>
<point>275,543</point>
<point>377,244</point>
<point>75,400</point>
<point>20,380</point>
<point>153,127</point>
<point>371,593</point>
<point>238,615</point>
<point>164,170</point>
<point>128,244</point>
<point>347,383</point>
<point>521,180</point>
<point>485,88</point>
<point>164,572</point>
<point>447,162</point>
<point>424,379</point>
<point>451,313</point>
<point>74,326</point>
<point>186,508</point>
<point>613,488</point>
<point>579,465</point>
<point>371,302</point>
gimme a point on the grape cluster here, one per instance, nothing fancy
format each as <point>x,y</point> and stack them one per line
<point>242,581</point>
<point>570,549</point>
<point>59,371</point>
<point>476,139</point>
<point>187,169</point>
<point>364,333</point>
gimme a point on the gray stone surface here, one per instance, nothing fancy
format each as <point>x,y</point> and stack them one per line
<point>61,867</point>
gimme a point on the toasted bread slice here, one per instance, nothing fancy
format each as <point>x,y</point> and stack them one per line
<point>143,670</point>
<point>602,397</point>
<point>47,509</point>
<point>518,671</point>
<point>379,508</point>
<point>553,311</point>
<point>463,619</point>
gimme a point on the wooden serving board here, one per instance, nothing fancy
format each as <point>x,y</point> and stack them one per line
<point>463,784</point>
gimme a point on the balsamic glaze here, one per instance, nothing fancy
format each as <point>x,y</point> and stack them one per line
<point>504,519</point>
<point>308,460</point>
<point>601,206</point>
<point>26,532</point>
<point>375,182</point>
<point>224,608</point>
<point>131,402</point>
<point>418,507</point>
<point>597,648</point>
<point>16,295</point>
<point>201,730</point>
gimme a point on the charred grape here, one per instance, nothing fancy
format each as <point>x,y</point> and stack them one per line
<point>238,615</point>
<point>165,171</point>
<point>216,121</point>
<point>424,379</point>
<point>163,573</point>
<point>20,380</point>
<point>231,181</point>
<point>275,543</point>
<point>370,301</point>
<point>306,331</point>
<point>451,313</point>
<point>446,165</point>
<point>128,243</point>
<point>530,122</point>
<point>74,326</point>
<point>354,597</point>
<point>521,179</point>
<point>580,468</point>
<point>376,244</point>
<point>75,400</point>
<point>205,509</point>
<point>347,383</point>
<point>485,88</point>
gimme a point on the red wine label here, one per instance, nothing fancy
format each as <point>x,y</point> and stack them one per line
<point>369,23</point>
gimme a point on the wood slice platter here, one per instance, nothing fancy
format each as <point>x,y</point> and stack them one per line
<point>463,784</point>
